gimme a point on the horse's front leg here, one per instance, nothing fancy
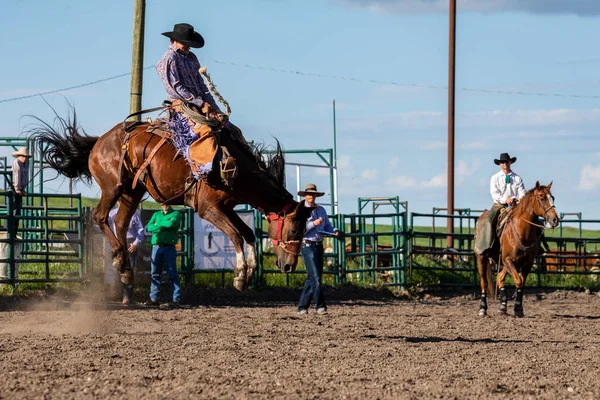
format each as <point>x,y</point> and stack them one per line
<point>501,289</point>
<point>519,283</point>
<point>223,221</point>
<point>248,235</point>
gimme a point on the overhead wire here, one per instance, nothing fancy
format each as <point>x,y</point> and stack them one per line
<point>320,75</point>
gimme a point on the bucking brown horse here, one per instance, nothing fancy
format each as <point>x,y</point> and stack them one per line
<point>259,183</point>
<point>517,248</point>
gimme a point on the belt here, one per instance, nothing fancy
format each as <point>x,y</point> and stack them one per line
<point>165,245</point>
<point>312,242</point>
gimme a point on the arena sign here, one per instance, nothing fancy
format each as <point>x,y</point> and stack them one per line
<point>212,248</point>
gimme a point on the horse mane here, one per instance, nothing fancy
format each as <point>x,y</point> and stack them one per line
<point>525,203</point>
<point>271,164</point>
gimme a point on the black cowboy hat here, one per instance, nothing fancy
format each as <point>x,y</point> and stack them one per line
<point>505,157</point>
<point>185,34</point>
<point>311,188</point>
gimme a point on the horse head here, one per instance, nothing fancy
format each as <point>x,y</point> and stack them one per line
<point>544,206</point>
<point>286,231</point>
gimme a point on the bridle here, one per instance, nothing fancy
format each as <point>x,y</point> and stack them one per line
<point>545,216</point>
<point>278,241</point>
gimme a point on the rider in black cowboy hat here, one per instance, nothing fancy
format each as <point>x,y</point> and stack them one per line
<point>506,188</point>
<point>178,71</point>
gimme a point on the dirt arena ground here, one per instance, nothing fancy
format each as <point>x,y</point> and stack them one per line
<point>231,345</point>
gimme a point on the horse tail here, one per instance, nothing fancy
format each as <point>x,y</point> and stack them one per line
<point>491,283</point>
<point>64,145</point>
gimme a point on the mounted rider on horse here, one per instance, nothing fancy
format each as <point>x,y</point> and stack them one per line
<point>194,112</point>
<point>506,188</point>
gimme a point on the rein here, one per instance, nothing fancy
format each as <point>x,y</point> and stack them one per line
<point>280,218</point>
<point>516,235</point>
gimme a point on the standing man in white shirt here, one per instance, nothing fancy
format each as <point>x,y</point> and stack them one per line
<point>506,189</point>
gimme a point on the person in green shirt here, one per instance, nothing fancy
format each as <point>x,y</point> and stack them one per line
<point>164,225</point>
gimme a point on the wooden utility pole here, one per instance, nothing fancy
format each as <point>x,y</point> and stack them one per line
<point>451,96</point>
<point>137,59</point>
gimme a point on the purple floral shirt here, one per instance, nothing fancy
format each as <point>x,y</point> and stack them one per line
<point>179,74</point>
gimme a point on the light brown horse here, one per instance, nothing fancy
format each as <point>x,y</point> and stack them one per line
<point>72,153</point>
<point>518,247</point>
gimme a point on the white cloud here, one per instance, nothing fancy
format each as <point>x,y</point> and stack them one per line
<point>402,182</point>
<point>394,162</point>
<point>579,7</point>
<point>463,170</point>
<point>343,162</point>
<point>436,182</point>
<point>369,174</point>
<point>478,145</point>
<point>563,121</point>
<point>590,177</point>
<point>409,182</point>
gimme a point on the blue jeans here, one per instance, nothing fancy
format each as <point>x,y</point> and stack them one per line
<point>312,254</point>
<point>168,256</point>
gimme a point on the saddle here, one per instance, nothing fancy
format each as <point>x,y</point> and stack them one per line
<point>503,217</point>
<point>162,127</point>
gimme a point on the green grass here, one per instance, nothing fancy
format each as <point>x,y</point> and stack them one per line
<point>421,275</point>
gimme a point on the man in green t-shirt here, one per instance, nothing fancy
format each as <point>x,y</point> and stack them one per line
<point>164,225</point>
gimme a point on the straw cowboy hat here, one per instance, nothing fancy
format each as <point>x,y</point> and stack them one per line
<point>505,157</point>
<point>23,151</point>
<point>185,34</point>
<point>311,188</point>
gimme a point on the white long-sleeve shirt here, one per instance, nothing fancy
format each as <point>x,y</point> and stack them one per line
<point>501,191</point>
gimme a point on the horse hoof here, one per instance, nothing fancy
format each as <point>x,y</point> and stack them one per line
<point>519,313</point>
<point>239,283</point>
<point>126,278</point>
<point>482,313</point>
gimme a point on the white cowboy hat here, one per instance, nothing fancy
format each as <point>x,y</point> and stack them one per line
<point>23,151</point>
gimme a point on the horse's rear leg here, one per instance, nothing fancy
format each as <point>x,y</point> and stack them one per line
<point>128,204</point>
<point>482,267</point>
<point>250,240</point>
<point>108,199</point>
<point>220,218</point>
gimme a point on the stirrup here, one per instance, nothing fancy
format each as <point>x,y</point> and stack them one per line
<point>228,168</point>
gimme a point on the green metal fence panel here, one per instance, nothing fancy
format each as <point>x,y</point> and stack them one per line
<point>50,250</point>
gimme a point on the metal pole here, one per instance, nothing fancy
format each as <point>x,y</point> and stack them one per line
<point>298,182</point>
<point>334,177</point>
<point>334,137</point>
<point>137,59</point>
<point>451,97</point>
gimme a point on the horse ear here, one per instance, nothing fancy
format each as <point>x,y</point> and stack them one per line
<point>537,185</point>
<point>549,185</point>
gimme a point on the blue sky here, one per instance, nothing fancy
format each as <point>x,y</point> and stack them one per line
<point>391,137</point>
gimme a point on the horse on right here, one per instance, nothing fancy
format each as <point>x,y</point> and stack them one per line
<point>517,247</point>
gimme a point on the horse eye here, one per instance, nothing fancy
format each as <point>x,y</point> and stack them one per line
<point>294,231</point>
